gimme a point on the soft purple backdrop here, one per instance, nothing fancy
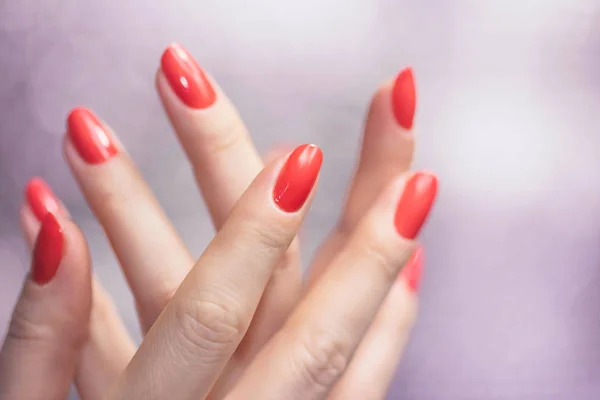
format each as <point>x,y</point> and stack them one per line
<point>509,108</point>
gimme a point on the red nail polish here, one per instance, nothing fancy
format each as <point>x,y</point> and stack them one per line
<point>404,98</point>
<point>411,272</point>
<point>414,205</point>
<point>297,177</point>
<point>48,250</point>
<point>186,78</point>
<point>40,198</point>
<point>91,139</point>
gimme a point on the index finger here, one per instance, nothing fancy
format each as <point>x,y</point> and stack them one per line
<point>195,336</point>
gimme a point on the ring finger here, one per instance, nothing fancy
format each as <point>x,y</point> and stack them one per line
<point>378,353</point>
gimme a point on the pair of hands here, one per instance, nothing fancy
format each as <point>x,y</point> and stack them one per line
<point>240,322</point>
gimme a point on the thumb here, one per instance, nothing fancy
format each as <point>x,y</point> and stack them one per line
<point>50,321</point>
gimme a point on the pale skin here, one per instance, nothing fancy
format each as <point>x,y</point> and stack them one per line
<point>240,322</point>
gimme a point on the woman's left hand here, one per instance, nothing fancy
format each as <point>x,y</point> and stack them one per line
<point>155,260</point>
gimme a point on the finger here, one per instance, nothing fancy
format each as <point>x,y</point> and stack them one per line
<point>153,256</point>
<point>315,347</point>
<point>374,363</point>
<point>109,347</point>
<point>49,325</point>
<point>224,161</point>
<point>279,298</point>
<point>210,130</point>
<point>387,151</point>
<point>187,348</point>
<point>108,350</point>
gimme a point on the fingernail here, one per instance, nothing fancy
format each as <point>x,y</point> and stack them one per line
<point>90,138</point>
<point>40,198</point>
<point>404,98</point>
<point>186,78</point>
<point>48,249</point>
<point>297,177</point>
<point>414,205</point>
<point>411,273</point>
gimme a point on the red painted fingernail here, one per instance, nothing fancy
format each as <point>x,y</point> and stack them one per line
<point>411,272</point>
<point>297,177</point>
<point>414,205</point>
<point>404,98</point>
<point>91,139</point>
<point>186,78</point>
<point>40,198</point>
<point>48,250</point>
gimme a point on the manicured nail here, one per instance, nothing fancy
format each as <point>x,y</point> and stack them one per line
<point>415,203</point>
<point>48,250</point>
<point>411,273</point>
<point>404,98</point>
<point>297,177</point>
<point>40,198</point>
<point>91,139</point>
<point>186,78</point>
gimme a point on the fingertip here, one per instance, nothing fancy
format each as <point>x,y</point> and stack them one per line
<point>72,280</point>
<point>29,224</point>
<point>60,256</point>
<point>40,198</point>
<point>297,178</point>
<point>404,98</point>
<point>48,250</point>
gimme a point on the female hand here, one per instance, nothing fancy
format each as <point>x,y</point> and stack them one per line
<point>238,323</point>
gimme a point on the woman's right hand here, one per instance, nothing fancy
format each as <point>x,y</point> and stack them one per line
<point>235,323</point>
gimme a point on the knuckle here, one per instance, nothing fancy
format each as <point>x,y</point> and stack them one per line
<point>209,328</point>
<point>111,199</point>
<point>224,133</point>
<point>32,327</point>
<point>381,262</point>
<point>324,356</point>
<point>270,237</point>
<point>290,259</point>
<point>160,300</point>
<point>23,328</point>
<point>106,197</point>
<point>381,253</point>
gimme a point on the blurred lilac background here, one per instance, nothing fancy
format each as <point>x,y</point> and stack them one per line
<point>509,107</point>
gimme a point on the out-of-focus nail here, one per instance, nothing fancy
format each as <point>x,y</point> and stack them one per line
<point>186,78</point>
<point>297,177</point>
<point>48,250</point>
<point>40,198</point>
<point>411,273</point>
<point>404,98</point>
<point>91,139</point>
<point>414,205</point>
